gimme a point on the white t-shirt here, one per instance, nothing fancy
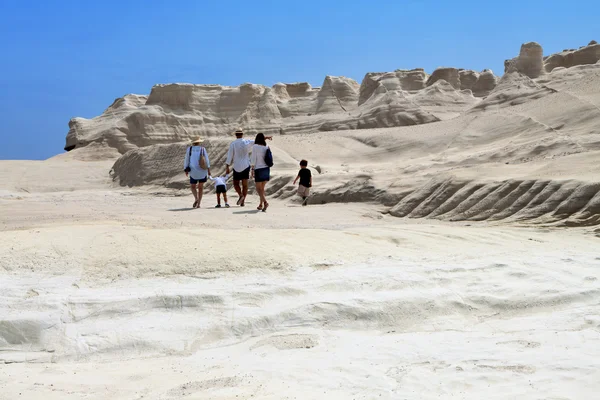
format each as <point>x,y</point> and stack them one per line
<point>220,180</point>
<point>258,156</point>
<point>238,154</point>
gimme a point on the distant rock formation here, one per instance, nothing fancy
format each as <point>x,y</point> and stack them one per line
<point>530,61</point>
<point>338,94</point>
<point>450,75</point>
<point>465,79</point>
<point>589,54</point>
<point>533,64</point>
<point>513,89</point>
<point>486,82</point>
<point>413,79</point>
<point>175,112</point>
<point>407,80</point>
<point>468,78</point>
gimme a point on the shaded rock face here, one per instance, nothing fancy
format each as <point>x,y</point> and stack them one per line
<point>337,94</point>
<point>407,80</point>
<point>530,61</point>
<point>413,79</point>
<point>370,82</point>
<point>468,78</point>
<point>486,82</point>
<point>450,75</point>
<point>480,84</point>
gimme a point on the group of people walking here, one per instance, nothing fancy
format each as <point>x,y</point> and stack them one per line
<point>245,159</point>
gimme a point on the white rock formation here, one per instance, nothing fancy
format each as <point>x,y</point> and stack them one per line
<point>589,54</point>
<point>530,61</point>
<point>173,113</point>
<point>450,75</point>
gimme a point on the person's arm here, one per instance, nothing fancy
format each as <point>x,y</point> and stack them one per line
<point>207,161</point>
<point>310,180</point>
<point>186,161</point>
<point>297,177</point>
<point>253,160</point>
<point>249,143</point>
<point>229,157</point>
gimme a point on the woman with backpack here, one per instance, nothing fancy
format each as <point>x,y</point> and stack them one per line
<point>261,163</point>
<point>197,166</point>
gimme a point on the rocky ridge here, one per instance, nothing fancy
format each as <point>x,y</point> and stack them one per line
<point>175,112</point>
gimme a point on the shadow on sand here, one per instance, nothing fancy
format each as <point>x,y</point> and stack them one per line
<point>247,212</point>
<point>181,209</point>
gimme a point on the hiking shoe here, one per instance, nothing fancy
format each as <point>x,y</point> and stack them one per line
<point>226,205</point>
<point>218,206</point>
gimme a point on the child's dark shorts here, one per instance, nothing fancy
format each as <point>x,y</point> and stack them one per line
<point>221,189</point>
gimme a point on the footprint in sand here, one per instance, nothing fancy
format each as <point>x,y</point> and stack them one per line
<point>523,344</point>
<point>190,388</point>
<point>288,342</point>
<point>519,369</point>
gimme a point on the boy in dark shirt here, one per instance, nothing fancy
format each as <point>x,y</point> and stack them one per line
<point>305,181</point>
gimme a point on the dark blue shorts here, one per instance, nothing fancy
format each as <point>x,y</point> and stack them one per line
<point>194,181</point>
<point>262,174</point>
<point>221,189</point>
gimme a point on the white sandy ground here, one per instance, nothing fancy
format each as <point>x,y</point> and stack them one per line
<point>115,294</point>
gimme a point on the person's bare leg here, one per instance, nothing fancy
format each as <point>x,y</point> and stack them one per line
<point>264,195</point>
<point>262,192</point>
<point>200,192</point>
<point>224,198</point>
<point>238,189</point>
<point>244,191</point>
<point>219,198</point>
<point>260,196</point>
<point>194,192</point>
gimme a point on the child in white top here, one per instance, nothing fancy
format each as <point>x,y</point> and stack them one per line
<point>221,186</point>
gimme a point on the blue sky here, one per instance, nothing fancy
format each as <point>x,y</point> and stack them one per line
<point>62,59</point>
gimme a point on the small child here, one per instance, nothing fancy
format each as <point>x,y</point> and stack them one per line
<point>221,186</point>
<point>305,181</point>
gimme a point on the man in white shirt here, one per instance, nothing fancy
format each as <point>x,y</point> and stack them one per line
<point>238,156</point>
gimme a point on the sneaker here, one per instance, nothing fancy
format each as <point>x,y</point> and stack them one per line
<point>305,201</point>
<point>218,206</point>
<point>226,205</point>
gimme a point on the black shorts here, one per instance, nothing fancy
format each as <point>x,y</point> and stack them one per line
<point>262,174</point>
<point>221,189</point>
<point>195,181</point>
<point>240,176</point>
